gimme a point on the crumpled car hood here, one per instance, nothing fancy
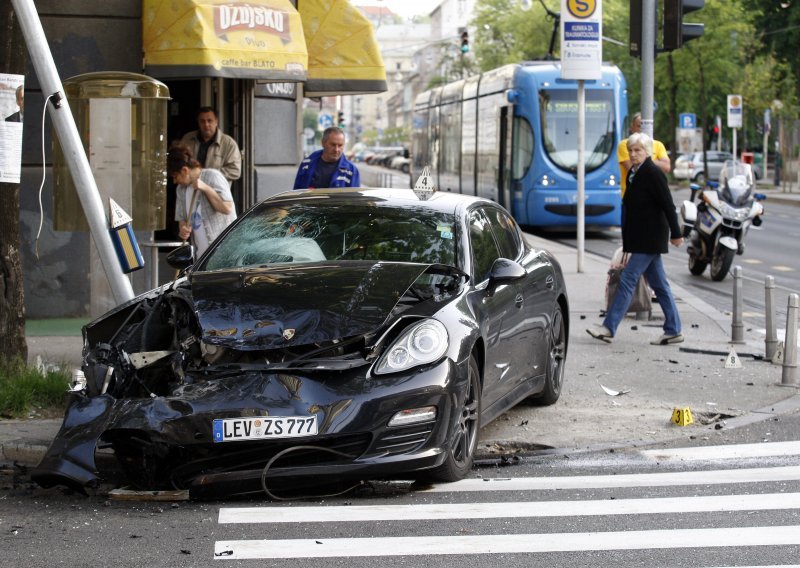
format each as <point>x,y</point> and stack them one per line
<point>278,307</point>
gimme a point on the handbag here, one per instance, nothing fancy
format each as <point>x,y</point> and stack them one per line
<point>640,301</point>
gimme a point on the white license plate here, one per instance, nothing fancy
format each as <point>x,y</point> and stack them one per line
<point>263,427</point>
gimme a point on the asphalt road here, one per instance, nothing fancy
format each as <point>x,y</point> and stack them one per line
<point>728,504</point>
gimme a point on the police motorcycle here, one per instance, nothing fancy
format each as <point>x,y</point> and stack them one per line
<point>717,223</point>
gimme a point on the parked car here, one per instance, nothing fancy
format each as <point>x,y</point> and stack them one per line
<point>401,163</point>
<point>690,166</point>
<point>325,335</point>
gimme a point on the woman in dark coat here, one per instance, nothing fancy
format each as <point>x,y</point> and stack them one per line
<point>648,222</point>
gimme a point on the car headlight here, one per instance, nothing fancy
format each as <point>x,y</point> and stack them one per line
<point>423,342</point>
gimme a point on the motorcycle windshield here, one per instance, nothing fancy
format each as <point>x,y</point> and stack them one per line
<point>736,181</point>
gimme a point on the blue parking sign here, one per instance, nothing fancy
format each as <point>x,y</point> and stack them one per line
<point>687,120</point>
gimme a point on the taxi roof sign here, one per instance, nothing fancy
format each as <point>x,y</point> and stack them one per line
<point>424,187</point>
<point>117,214</point>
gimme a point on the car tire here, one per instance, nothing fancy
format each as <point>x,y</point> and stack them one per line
<point>699,178</point>
<point>556,354</point>
<point>464,439</point>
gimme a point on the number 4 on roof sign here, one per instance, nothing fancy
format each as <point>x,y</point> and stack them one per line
<point>424,187</point>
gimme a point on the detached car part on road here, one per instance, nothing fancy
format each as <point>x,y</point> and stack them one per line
<point>327,334</point>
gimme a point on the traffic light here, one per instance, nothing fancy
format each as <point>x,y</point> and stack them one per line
<point>676,33</point>
<point>465,41</point>
<point>340,119</point>
<point>635,28</point>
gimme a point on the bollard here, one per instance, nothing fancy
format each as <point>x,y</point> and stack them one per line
<point>789,373</point>
<point>771,340</point>
<point>737,327</point>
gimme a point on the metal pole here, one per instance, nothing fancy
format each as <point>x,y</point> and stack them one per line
<point>581,171</point>
<point>648,54</point>
<point>737,327</point>
<point>771,340</point>
<point>74,154</point>
<point>789,372</point>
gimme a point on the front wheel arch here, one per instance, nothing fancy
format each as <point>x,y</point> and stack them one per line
<point>556,358</point>
<point>462,444</point>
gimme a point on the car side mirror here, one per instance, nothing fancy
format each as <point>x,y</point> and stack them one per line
<point>504,270</point>
<point>182,257</point>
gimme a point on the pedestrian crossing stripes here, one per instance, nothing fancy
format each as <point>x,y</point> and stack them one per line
<point>372,513</point>
<point>736,451</point>
<point>715,477</point>
<point>650,532</point>
<point>509,544</point>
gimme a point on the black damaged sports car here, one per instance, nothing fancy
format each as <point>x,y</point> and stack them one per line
<point>327,334</point>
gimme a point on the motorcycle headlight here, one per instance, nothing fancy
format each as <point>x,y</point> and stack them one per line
<point>733,212</point>
<point>423,342</point>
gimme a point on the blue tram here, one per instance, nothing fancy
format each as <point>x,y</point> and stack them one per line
<point>510,134</point>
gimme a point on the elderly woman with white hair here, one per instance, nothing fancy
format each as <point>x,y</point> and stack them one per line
<point>648,222</point>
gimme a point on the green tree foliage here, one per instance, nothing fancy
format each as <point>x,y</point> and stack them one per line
<point>505,33</point>
<point>778,31</point>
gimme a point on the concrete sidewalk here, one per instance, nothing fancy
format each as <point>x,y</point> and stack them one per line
<point>655,379</point>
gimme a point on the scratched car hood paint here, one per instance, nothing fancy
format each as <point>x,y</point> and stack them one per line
<point>280,307</point>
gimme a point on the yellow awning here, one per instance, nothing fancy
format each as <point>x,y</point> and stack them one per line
<point>258,39</point>
<point>343,56</point>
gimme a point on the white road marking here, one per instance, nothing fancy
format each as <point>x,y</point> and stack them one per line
<point>781,268</point>
<point>752,261</point>
<point>734,451</point>
<point>526,509</point>
<point>717,477</point>
<point>508,543</point>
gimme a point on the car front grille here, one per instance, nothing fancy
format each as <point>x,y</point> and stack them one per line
<point>186,463</point>
<point>298,452</point>
<point>404,439</point>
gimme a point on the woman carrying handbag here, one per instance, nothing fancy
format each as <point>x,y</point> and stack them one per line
<point>648,222</point>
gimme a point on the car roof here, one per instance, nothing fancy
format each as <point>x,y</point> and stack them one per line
<point>442,201</point>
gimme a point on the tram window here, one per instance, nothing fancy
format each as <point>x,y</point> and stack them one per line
<point>558,109</point>
<point>523,148</point>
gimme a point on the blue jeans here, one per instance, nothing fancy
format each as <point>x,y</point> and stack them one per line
<point>653,269</point>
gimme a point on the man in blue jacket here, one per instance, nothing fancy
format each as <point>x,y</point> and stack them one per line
<point>328,167</point>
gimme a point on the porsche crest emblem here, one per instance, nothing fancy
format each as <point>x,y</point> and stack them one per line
<point>288,334</point>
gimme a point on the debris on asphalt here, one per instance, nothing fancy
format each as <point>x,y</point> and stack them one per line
<point>612,392</point>
<point>131,495</point>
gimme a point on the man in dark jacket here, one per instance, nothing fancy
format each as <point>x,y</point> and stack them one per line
<point>648,222</point>
<point>328,167</point>
<point>212,148</point>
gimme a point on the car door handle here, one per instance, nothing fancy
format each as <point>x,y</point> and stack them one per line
<point>518,300</point>
<point>550,282</point>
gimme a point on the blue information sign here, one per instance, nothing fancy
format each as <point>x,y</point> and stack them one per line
<point>687,120</point>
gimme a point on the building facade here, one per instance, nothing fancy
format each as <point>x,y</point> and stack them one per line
<point>263,116</point>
